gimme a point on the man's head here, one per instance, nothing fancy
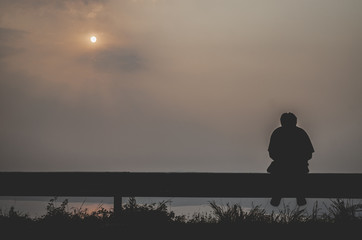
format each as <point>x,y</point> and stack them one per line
<point>288,120</point>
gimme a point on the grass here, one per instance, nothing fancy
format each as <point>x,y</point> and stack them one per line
<point>147,218</point>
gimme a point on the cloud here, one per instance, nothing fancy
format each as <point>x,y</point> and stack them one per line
<point>115,60</point>
<point>8,37</point>
<point>7,51</point>
<point>45,3</point>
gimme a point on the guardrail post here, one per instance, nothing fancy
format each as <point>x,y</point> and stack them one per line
<point>117,205</point>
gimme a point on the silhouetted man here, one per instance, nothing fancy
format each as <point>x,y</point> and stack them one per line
<point>290,148</point>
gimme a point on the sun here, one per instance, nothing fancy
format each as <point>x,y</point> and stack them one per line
<point>93,39</point>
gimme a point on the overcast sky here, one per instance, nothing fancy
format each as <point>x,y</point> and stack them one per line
<point>187,85</point>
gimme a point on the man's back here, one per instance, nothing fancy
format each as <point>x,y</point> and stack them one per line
<point>287,144</point>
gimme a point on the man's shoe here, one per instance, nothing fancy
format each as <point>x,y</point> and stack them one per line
<point>275,202</point>
<point>301,201</point>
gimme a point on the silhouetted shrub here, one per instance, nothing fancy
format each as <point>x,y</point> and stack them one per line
<point>14,217</point>
<point>344,211</point>
<point>147,214</point>
<point>136,215</point>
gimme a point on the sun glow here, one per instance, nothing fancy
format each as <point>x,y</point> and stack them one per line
<point>93,39</point>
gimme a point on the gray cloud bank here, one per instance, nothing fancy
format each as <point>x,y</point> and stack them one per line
<point>114,60</point>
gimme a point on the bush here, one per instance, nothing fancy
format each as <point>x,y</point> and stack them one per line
<point>134,214</point>
<point>344,211</point>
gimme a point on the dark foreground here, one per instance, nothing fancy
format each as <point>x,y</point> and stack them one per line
<point>182,231</point>
<point>155,221</point>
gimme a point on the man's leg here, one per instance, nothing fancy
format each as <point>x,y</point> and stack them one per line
<point>300,185</point>
<point>276,197</point>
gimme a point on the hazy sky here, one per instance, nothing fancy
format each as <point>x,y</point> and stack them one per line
<point>187,85</point>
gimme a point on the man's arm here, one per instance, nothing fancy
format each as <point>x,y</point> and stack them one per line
<point>308,147</point>
<point>273,146</point>
<point>308,156</point>
<point>273,156</point>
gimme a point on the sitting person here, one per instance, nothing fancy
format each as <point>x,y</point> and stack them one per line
<point>290,149</point>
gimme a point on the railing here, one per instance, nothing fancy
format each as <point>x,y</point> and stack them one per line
<point>127,184</point>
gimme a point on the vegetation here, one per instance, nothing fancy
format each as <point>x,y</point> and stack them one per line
<point>157,216</point>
